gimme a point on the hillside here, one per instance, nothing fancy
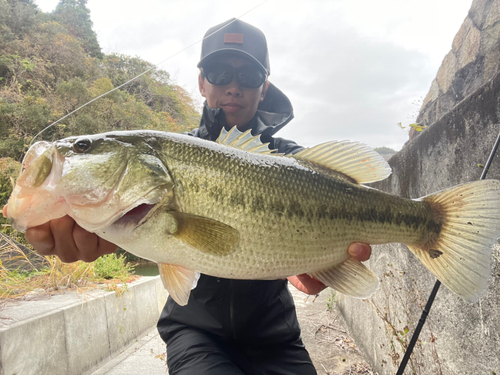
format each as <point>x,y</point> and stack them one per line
<point>51,64</point>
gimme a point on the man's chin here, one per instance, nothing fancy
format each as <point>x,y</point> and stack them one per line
<point>241,123</point>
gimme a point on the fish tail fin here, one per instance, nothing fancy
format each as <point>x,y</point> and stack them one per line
<point>461,255</point>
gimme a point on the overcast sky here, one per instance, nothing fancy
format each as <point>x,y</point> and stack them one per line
<point>352,68</point>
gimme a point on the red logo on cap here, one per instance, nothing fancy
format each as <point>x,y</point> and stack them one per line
<point>233,38</point>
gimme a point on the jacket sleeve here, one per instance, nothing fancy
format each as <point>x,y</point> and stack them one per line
<point>286,146</point>
<point>193,132</point>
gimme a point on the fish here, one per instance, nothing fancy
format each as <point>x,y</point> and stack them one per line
<point>236,209</point>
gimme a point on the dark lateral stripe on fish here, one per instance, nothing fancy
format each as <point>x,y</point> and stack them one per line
<point>278,208</point>
<point>291,209</point>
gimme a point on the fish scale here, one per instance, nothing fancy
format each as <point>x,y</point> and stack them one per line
<point>285,241</point>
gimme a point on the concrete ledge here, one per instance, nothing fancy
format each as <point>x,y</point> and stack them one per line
<point>69,334</point>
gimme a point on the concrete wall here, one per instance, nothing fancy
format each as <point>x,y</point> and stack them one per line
<point>71,333</point>
<point>458,338</point>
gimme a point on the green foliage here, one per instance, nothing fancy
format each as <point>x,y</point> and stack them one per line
<point>18,17</point>
<point>129,257</point>
<point>9,168</point>
<point>331,300</point>
<point>51,64</point>
<point>53,274</point>
<point>112,266</point>
<point>75,15</point>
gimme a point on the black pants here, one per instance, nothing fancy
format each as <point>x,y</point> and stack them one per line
<point>193,352</point>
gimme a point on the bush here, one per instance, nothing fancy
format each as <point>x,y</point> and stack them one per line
<point>112,266</point>
<point>9,168</point>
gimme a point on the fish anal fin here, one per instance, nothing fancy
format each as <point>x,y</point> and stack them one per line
<point>351,278</point>
<point>353,159</point>
<point>179,281</point>
<point>205,234</point>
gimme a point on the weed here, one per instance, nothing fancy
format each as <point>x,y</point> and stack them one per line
<point>110,271</point>
<point>113,266</point>
<point>400,320</point>
<point>331,300</point>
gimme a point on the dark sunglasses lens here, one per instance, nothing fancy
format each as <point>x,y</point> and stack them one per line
<point>250,78</point>
<point>220,75</point>
<point>223,75</point>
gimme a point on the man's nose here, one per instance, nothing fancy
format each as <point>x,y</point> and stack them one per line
<point>234,89</point>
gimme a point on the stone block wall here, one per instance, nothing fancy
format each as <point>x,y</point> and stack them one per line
<point>474,59</point>
<point>458,338</point>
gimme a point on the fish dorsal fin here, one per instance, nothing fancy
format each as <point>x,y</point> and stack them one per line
<point>179,281</point>
<point>353,159</point>
<point>244,141</point>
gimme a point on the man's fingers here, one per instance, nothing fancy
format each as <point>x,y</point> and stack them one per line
<point>106,247</point>
<point>85,244</point>
<point>64,247</point>
<point>360,251</point>
<point>307,284</point>
<point>64,238</point>
<point>89,245</point>
<point>41,239</point>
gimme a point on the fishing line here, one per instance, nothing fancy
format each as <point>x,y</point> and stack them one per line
<point>428,305</point>
<point>146,71</point>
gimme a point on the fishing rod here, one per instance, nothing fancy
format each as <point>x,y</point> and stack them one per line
<point>430,301</point>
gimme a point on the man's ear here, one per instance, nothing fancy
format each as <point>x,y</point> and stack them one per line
<point>201,85</point>
<point>265,87</point>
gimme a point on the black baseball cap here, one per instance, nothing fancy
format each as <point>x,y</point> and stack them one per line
<point>235,37</point>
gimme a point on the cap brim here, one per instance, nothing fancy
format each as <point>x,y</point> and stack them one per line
<point>230,52</point>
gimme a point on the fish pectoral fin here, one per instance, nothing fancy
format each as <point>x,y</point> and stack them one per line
<point>207,235</point>
<point>179,281</point>
<point>352,159</point>
<point>350,277</point>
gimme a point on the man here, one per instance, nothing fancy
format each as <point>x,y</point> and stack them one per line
<point>239,326</point>
<point>228,326</point>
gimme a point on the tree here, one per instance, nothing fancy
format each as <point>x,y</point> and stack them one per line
<point>75,15</point>
<point>19,16</point>
<point>46,73</point>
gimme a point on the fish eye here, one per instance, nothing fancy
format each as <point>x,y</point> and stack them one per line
<point>82,145</point>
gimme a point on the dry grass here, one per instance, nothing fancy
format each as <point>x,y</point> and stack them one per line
<point>110,272</point>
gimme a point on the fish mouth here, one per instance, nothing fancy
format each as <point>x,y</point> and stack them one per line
<point>135,216</point>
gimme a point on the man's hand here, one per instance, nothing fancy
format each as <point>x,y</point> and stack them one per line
<point>66,239</point>
<point>311,285</point>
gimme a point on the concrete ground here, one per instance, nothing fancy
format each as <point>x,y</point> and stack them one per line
<point>145,356</point>
<point>325,335</point>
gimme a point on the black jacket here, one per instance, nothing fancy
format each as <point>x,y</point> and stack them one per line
<point>246,312</point>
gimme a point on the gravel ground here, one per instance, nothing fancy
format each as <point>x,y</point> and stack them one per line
<point>331,347</point>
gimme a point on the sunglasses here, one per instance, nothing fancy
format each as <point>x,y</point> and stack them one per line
<point>221,75</point>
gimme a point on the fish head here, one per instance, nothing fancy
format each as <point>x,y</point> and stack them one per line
<point>96,179</point>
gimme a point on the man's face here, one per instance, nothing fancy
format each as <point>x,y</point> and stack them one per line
<point>238,103</point>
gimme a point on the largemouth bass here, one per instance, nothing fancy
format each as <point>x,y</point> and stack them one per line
<point>233,209</point>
